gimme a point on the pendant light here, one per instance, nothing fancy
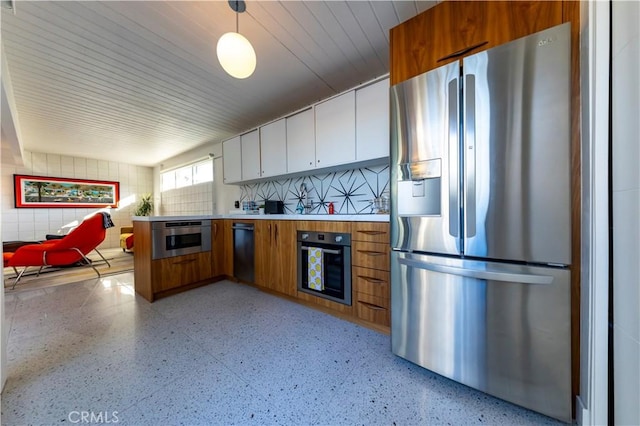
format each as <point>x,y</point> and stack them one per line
<point>235,53</point>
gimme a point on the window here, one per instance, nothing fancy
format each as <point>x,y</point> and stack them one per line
<point>192,174</point>
<point>203,172</point>
<point>184,177</point>
<point>168,180</point>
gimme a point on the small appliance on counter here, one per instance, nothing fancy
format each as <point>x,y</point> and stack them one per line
<point>273,207</point>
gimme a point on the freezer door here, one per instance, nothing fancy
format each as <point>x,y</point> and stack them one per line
<point>425,184</point>
<point>500,328</point>
<point>516,151</point>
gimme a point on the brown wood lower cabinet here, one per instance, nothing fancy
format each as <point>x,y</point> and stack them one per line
<point>276,266</point>
<point>373,282</point>
<point>371,295</point>
<point>178,271</point>
<point>275,254</point>
<point>218,256</point>
<point>370,272</point>
<point>370,255</point>
<point>263,237</point>
<point>162,277</point>
<point>373,309</point>
<point>228,248</point>
<point>283,268</point>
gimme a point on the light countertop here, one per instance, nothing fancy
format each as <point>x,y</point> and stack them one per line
<point>325,217</point>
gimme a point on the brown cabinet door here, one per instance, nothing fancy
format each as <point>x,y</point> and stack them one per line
<point>263,240</point>
<point>217,248</point>
<point>375,232</point>
<point>454,29</point>
<point>370,255</point>
<point>174,272</point>
<point>228,248</point>
<point>509,20</point>
<point>284,258</point>
<point>326,226</point>
<point>373,309</point>
<point>373,282</point>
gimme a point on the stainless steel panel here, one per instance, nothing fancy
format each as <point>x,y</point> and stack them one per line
<point>496,333</point>
<point>243,252</point>
<point>342,246</point>
<point>517,150</point>
<point>160,231</point>
<point>421,166</point>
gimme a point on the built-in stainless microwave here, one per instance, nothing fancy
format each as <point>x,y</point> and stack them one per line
<point>177,238</point>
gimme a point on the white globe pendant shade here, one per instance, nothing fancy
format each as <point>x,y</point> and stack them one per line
<point>236,55</point>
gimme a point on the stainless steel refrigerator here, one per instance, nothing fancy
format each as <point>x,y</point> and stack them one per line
<point>481,221</point>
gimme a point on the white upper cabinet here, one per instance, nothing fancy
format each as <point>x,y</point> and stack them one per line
<point>250,143</point>
<point>372,121</point>
<point>336,130</point>
<point>273,148</point>
<point>350,128</point>
<point>232,160</point>
<point>300,142</point>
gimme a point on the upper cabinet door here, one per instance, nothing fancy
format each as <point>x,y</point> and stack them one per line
<point>372,121</point>
<point>250,143</point>
<point>300,142</point>
<point>452,30</point>
<point>232,160</point>
<point>336,130</point>
<point>273,148</point>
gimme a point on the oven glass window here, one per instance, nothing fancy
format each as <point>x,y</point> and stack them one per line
<point>174,242</point>
<point>333,271</point>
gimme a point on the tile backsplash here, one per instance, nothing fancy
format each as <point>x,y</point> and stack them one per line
<point>351,191</point>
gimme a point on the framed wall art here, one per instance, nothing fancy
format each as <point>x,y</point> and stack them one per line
<point>51,192</point>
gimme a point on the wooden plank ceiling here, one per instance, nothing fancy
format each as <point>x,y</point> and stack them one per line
<point>139,81</point>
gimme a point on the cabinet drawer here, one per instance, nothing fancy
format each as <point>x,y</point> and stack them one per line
<point>174,272</point>
<point>375,232</point>
<point>373,282</point>
<point>370,255</point>
<point>373,309</point>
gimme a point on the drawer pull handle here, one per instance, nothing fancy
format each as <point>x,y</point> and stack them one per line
<point>462,51</point>
<point>183,262</point>
<point>373,232</point>
<point>371,306</point>
<point>371,253</point>
<point>371,279</point>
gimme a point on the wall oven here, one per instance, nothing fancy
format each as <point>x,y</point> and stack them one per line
<point>177,238</point>
<point>324,265</point>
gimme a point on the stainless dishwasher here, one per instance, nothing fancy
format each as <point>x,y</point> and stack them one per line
<point>243,252</point>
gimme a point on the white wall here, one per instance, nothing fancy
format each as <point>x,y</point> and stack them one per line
<point>190,200</point>
<point>226,195</point>
<point>626,211</point>
<point>33,224</point>
<point>206,198</point>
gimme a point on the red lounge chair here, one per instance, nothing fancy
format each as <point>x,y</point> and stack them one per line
<point>71,249</point>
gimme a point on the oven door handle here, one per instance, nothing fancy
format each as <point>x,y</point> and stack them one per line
<point>324,250</point>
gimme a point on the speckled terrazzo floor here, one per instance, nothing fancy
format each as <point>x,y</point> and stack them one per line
<point>222,354</point>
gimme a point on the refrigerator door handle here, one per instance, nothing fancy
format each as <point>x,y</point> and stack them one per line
<point>470,154</point>
<point>454,159</point>
<point>479,274</point>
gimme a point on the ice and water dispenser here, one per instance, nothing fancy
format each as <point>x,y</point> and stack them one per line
<point>419,188</point>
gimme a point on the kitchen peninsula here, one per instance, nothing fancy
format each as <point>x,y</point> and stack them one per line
<point>178,253</point>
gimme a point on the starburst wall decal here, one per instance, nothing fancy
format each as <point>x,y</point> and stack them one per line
<point>350,191</point>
